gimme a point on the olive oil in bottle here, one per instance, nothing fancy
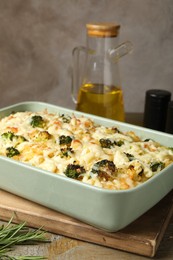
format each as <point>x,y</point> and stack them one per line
<point>96,78</point>
<point>101,100</point>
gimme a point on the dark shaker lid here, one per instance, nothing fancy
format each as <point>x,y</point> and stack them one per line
<point>156,103</point>
<point>169,121</point>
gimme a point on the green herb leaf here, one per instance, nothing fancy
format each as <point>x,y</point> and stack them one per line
<point>12,235</point>
<point>157,165</point>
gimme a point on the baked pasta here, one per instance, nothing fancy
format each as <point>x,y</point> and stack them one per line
<point>78,148</point>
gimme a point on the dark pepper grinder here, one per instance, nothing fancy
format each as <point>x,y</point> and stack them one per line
<point>156,105</point>
<point>169,121</point>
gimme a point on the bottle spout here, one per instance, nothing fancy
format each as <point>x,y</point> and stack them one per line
<point>120,51</point>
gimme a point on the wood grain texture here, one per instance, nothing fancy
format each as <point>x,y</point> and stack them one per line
<point>141,237</point>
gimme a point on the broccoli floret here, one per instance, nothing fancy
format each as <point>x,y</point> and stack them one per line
<point>20,139</point>
<point>65,140</point>
<point>8,136</point>
<point>12,137</point>
<point>104,168</point>
<point>43,136</point>
<point>157,166</point>
<point>115,130</point>
<point>74,170</point>
<point>65,118</point>
<point>119,143</point>
<point>147,140</point>
<point>66,152</point>
<point>105,143</point>
<point>130,156</point>
<point>37,121</point>
<point>11,151</point>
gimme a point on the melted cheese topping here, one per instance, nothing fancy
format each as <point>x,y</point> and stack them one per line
<point>103,156</point>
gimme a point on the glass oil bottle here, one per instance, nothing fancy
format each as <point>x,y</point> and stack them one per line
<point>97,74</point>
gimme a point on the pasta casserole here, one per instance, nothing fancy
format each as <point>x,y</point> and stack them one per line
<point>79,148</point>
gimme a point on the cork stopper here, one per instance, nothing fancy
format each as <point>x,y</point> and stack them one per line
<point>103,29</point>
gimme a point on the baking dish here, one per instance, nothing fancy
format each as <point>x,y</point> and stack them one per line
<point>110,210</point>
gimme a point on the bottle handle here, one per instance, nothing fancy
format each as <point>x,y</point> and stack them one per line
<point>120,51</point>
<point>76,74</point>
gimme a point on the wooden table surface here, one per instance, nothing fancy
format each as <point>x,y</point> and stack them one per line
<point>64,248</point>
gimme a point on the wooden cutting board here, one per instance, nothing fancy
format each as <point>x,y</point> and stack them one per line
<point>142,237</point>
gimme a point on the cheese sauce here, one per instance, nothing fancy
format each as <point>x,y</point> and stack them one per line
<point>78,148</point>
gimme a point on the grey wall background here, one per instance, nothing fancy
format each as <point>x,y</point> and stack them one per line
<point>37,38</point>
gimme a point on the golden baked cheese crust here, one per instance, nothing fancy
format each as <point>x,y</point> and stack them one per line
<point>78,148</point>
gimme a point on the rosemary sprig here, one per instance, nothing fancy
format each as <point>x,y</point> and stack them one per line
<point>12,235</point>
<point>5,257</point>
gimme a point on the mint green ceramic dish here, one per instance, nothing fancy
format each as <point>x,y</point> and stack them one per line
<point>106,209</point>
